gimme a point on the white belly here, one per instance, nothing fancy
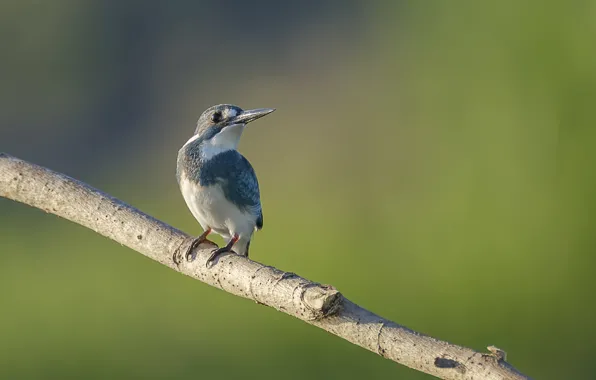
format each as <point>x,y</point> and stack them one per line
<point>210,207</point>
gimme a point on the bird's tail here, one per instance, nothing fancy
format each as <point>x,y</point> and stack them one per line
<point>241,246</point>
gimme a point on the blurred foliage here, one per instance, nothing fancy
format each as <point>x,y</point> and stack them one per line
<point>434,162</point>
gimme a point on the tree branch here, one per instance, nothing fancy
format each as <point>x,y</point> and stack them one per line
<point>319,305</point>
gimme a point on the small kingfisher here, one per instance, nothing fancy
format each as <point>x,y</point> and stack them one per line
<point>219,185</point>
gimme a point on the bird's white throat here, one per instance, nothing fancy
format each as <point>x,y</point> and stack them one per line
<point>227,139</point>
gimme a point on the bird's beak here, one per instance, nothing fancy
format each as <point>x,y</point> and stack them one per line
<point>251,115</point>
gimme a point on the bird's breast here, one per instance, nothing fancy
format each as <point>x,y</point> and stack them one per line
<point>201,200</point>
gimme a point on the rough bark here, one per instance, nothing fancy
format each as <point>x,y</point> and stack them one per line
<point>319,305</point>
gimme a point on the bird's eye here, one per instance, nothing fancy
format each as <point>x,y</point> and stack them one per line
<point>216,117</point>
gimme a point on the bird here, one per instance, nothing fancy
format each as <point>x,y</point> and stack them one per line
<point>218,183</point>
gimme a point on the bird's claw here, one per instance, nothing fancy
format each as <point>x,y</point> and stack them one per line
<point>191,252</point>
<point>191,255</point>
<point>215,254</point>
<point>224,249</point>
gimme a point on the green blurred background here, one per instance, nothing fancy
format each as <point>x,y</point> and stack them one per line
<point>432,160</point>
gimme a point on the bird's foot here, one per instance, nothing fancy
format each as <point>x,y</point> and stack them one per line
<point>219,251</point>
<point>191,252</point>
<point>215,254</point>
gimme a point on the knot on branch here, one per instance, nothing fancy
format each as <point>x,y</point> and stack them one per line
<point>443,362</point>
<point>320,300</point>
<point>497,353</point>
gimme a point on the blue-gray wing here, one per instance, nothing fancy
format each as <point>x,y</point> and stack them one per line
<point>238,180</point>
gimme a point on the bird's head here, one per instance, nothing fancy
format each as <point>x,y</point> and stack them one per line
<point>221,126</point>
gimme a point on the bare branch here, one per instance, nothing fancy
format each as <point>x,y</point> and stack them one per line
<point>320,305</point>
